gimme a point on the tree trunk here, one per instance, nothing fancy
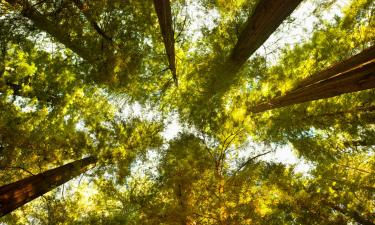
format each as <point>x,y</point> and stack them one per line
<point>361,58</point>
<point>55,30</point>
<point>163,10</point>
<point>266,18</point>
<point>352,75</point>
<point>21,192</point>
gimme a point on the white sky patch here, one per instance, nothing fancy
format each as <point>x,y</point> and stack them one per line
<point>280,154</point>
<point>131,110</point>
<point>136,110</point>
<point>200,18</point>
<point>172,128</point>
<point>299,30</point>
<point>285,155</point>
<point>148,167</point>
<point>25,104</point>
<point>43,42</point>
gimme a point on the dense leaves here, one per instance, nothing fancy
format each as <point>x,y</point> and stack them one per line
<point>95,78</point>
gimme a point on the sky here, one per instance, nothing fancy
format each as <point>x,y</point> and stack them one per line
<point>290,34</point>
<point>287,34</point>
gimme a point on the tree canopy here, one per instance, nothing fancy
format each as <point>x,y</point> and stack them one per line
<point>172,112</point>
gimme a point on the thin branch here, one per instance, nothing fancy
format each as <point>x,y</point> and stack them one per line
<point>17,168</point>
<point>248,162</point>
<point>83,7</point>
<point>353,168</point>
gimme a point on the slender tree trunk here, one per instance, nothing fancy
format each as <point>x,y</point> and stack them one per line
<point>55,30</point>
<point>220,179</point>
<point>163,10</point>
<point>23,191</point>
<point>106,62</point>
<point>183,192</point>
<point>334,81</point>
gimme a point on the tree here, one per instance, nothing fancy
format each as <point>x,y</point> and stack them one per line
<point>351,75</point>
<point>19,193</point>
<point>163,10</point>
<point>95,78</point>
<point>265,19</point>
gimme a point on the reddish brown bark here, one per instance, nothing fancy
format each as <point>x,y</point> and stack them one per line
<point>21,192</point>
<point>339,79</point>
<point>163,10</point>
<point>361,58</point>
<point>266,18</point>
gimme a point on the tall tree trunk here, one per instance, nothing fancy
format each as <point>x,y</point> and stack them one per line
<point>163,10</point>
<point>266,18</point>
<point>361,58</point>
<point>352,75</point>
<point>54,29</point>
<point>220,190</point>
<point>21,192</point>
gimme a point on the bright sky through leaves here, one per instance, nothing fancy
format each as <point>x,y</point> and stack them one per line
<point>187,112</point>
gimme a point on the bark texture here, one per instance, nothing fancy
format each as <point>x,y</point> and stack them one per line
<point>23,191</point>
<point>163,10</point>
<point>354,74</point>
<point>266,18</point>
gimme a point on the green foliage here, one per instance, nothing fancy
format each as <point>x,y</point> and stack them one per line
<point>68,87</point>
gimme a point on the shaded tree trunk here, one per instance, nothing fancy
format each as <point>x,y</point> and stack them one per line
<point>54,29</point>
<point>266,18</point>
<point>163,10</point>
<point>106,57</point>
<point>182,194</point>
<point>352,75</point>
<point>23,191</point>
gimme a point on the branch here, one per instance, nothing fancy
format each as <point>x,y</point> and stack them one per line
<point>248,162</point>
<point>17,168</point>
<point>53,29</point>
<point>83,7</point>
